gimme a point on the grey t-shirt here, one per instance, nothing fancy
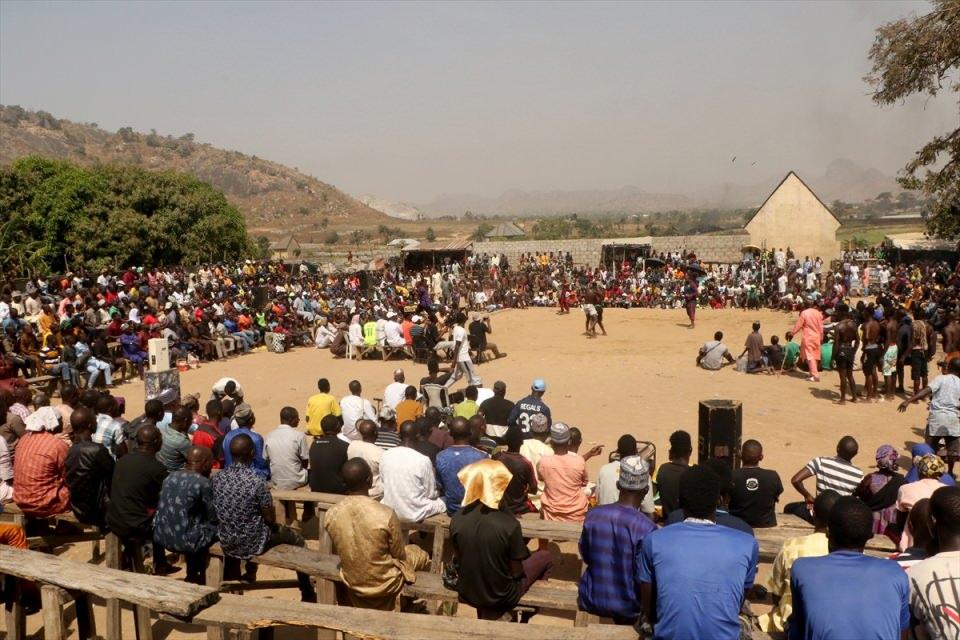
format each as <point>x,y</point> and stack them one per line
<point>713,354</point>
<point>944,416</point>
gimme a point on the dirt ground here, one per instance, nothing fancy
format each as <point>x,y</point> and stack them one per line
<point>640,379</point>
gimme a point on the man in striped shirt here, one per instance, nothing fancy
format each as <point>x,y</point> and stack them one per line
<point>837,473</point>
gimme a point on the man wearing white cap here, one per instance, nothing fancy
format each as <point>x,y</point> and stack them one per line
<point>393,332</point>
<point>564,478</point>
<point>611,544</point>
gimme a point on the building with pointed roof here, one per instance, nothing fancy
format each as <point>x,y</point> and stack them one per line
<point>793,216</point>
<point>505,230</point>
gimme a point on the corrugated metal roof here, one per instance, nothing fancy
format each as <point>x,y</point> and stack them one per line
<point>447,245</point>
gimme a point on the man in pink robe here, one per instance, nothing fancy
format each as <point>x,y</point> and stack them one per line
<point>810,323</point>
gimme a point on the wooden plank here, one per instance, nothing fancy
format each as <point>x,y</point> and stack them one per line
<point>114,626</point>
<point>53,541</point>
<point>168,596</point>
<point>52,613</point>
<point>14,618</point>
<point>255,613</point>
<point>142,622</point>
<point>550,594</point>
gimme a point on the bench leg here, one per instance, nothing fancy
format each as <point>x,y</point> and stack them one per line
<point>52,613</point>
<point>14,618</point>
<point>326,589</point>
<point>143,623</point>
<point>114,627</point>
<point>86,624</point>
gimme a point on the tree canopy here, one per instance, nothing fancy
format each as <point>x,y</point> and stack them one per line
<point>921,55</point>
<point>55,215</point>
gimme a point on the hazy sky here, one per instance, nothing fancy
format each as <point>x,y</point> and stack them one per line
<point>407,101</point>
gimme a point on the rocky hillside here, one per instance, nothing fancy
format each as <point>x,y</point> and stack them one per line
<point>274,198</point>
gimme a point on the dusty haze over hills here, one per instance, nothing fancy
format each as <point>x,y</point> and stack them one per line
<point>408,101</point>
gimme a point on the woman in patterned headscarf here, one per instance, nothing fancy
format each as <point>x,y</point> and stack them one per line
<point>879,490</point>
<point>930,467</point>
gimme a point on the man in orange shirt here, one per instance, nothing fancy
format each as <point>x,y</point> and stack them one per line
<point>39,468</point>
<point>409,408</point>
<point>564,479</point>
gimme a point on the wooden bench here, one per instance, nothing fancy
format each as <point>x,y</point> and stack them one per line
<point>11,513</point>
<point>79,580</point>
<point>548,594</point>
<point>770,540</point>
<point>62,580</point>
<point>47,384</point>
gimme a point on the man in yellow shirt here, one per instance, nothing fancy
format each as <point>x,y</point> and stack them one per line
<point>319,406</point>
<point>815,544</point>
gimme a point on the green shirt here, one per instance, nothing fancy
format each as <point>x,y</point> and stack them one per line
<point>790,354</point>
<point>466,409</point>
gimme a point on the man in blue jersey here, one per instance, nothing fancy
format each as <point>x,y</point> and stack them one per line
<point>610,546</point>
<point>694,574</point>
<point>528,407</point>
<point>846,594</point>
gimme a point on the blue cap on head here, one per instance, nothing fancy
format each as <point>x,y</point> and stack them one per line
<point>539,385</point>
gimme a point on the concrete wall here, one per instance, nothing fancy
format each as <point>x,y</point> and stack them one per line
<point>793,217</point>
<point>588,251</point>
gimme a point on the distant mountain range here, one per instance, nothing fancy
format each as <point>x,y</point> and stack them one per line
<point>843,180</point>
<point>273,197</point>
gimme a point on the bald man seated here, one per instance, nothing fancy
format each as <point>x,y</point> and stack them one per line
<point>186,520</point>
<point>375,561</point>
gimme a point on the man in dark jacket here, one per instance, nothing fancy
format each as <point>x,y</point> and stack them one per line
<point>135,493</point>
<point>89,470</point>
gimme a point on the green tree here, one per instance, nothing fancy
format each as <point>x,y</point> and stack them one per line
<point>481,231</point>
<point>72,217</point>
<point>430,234</point>
<point>331,237</point>
<point>921,55</point>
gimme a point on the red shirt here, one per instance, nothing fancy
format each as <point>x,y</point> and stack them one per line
<point>40,475</point>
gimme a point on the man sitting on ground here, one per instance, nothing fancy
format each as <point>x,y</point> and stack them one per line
<point>753,349</point>
<point>829,592</point>
<point>496,567</point>
<point>712,354</point>
<point>611,546</point>
<point>694,575</point>
<point>755,490</point>
<point>814,544</point>
<point>186,520</point>
<point>247,523</point>
<point>375,561</point>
